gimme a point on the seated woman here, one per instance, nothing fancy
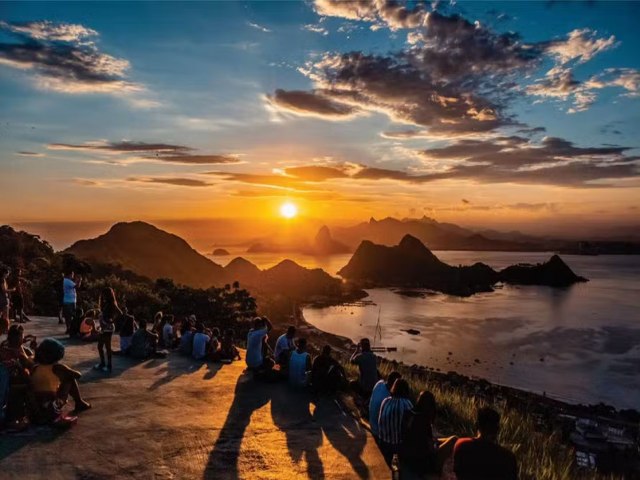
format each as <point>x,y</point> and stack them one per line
<point>53,382</point>
<point>420,453</point>
<point>15,360</point>
<point>228,351</point>
<point>88,329</point>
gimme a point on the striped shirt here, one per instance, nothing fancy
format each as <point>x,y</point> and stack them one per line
<point>390,420</point>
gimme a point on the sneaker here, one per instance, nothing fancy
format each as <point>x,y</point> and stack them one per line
<point>99,366</point>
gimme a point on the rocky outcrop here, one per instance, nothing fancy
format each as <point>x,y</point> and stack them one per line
<point>412,264</point>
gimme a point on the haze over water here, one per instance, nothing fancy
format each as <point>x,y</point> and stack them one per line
<point>588,334</point>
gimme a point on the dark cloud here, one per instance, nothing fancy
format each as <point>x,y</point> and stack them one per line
<point>310,104</point>
<point>24,153</point>
<point>315,173</point>
<point>158,152</point>
<point>180,182</point>
<point>62,60</point>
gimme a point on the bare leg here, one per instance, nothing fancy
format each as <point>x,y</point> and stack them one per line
<point>100,349</point>
<point>107,343</point>
<point>445,449</point>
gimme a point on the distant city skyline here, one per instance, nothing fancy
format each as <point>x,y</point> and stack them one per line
<point>511,115</point>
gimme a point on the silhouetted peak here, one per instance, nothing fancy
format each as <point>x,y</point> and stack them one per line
<point>410,243</point>
<point>372,220</point>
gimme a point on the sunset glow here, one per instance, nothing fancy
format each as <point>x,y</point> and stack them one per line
<point>288,210</point>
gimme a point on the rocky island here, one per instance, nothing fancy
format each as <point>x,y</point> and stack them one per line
<point>411,264</point>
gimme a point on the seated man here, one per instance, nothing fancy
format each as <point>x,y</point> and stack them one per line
<point>200,342</point>
<point>186,338</point>
<point>144,344</point>
<point>299,365</point>
<point>168,335</point>
<point>16,360</point>
<point>381,390</point>
<point>284,346</point>
<point>52,383</point>
<point>228,351</point>
<point>256,339</point>
<point>327,375</point>
<point>481,458</point>
<point>364,358</point>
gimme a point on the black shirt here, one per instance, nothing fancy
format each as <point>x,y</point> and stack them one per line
<point>478,459</point>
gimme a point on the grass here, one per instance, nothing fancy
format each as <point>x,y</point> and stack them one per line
<point>541,456</point>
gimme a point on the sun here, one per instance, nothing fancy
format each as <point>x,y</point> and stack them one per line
<point>288,210</point>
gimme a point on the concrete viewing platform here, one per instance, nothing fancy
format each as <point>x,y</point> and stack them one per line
<point>178,418</point>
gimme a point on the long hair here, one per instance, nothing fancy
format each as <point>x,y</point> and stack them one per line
<point>107,298</point>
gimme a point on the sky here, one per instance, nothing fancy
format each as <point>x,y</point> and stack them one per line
<point>501,115</point>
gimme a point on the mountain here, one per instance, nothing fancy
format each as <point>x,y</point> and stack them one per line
<point>439,236</point>
<point>322,244</point>
<point>412,264</point>
<point>149,251</point>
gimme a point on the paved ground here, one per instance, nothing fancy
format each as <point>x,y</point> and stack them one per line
<point>181,419</point>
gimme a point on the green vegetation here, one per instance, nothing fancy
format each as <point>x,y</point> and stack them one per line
<point>541,456</point>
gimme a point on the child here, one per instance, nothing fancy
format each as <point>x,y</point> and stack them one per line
<point>88,330</point>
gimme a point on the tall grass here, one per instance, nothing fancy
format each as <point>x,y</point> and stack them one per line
<point>541,456</point>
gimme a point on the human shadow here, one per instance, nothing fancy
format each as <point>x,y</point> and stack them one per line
<point>176,366</point>
<point>291,413</point>
<point>344,433</point>
<point>249,396</point>
<point>11,443</point>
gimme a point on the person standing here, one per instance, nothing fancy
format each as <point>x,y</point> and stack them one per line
<point>109,312</point>
<point>69,298</point>
<point>391,418</point>
<point>5,304</point>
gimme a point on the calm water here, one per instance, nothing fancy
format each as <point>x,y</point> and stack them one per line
<point>588,335</point>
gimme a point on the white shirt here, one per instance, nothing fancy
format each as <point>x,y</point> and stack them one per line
<point>379,393</point>
<point>254,347</point>
<point>298,369</point>
<point>200,341</point>
<point>283,344</point>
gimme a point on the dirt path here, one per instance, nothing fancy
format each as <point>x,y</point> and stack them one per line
<point>181,419</point>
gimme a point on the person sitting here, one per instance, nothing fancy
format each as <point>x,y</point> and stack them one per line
<point>168,336</point>
<point>420,454</point>
<point>327,375</point>
<point>158,323</point>
<point>390,420</point>
<point>364,358</point>
<point>200,342</point>
<point>381,390</point>
<point>186,338</point>
<point>16,362</point>
<point>144,344</point>
<point>128,326</point>
<point>88,331</point>
<point>52,382</point>
<point>284,346</point>
<point>299,365</point>
<point>228,351</point>
<point>481,458</point>
<point>214,345</point>
<point>256,339</point>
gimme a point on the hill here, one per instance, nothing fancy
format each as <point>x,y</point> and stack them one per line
<point>149,251</point>
<point>412,264</point>
<point>439,236</point>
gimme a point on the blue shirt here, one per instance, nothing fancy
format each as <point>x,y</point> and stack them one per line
<point>379,393</point>
<point>254,347</point>
<point>69,291</point>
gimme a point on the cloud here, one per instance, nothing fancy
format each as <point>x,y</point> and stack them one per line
<point>148,152</point>
<point>465,201</point>
<point>315,173</point>
<point>64,58</point>
<point>175,181</point>
<point>581,45</point>
<point>25,153</point>
<point>86,182</point>
<point>311,104</point>
<point>316,29</point>
<point>389,13</point>
<point>258,27</point>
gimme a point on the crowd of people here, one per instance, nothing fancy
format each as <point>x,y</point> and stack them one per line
<point>35,384</point>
